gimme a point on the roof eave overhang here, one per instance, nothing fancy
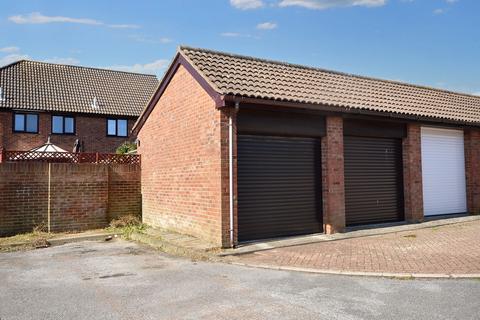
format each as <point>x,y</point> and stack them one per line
<point>230,100</point>
<point>179,59</point>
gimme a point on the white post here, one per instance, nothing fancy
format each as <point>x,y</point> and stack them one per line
<point>49,194</point>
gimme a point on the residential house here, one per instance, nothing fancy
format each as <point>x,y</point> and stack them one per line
<point>238,149</point>
<point>97,107</point>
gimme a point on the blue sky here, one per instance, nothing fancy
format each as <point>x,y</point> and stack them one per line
<point>430,42</point>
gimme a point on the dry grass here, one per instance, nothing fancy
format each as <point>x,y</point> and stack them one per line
<point>25,241</point>
<point>126,225</point>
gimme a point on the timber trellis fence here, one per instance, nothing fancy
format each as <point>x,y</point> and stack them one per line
<point>68,157</point>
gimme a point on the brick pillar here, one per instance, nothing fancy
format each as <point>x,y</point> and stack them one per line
<point>412,174</point>
<point>472,167</point>
<point>333,176</point>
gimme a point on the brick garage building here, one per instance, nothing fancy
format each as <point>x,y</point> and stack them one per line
<point>98,107</point>
<point>236,149</point>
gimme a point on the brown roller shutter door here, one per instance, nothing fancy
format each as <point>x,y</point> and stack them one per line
<point>373,180</point>
<point>279,187</point>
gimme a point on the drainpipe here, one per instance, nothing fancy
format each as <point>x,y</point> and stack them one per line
<point>230,170</point>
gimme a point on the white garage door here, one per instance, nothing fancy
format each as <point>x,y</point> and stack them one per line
<point>443,171</point>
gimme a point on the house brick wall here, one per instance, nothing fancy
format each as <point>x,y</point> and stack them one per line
<point>182,161</point>
<point>91,130</point>
<point>333,180</point>
<point>472,169</point>
<point>83,196</point>
<point>412,173</point>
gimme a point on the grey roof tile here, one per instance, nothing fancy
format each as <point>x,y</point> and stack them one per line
<point>43,86</point>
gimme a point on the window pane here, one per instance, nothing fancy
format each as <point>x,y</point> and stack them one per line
<point>69,125</point>
<point>19,122</point>
<point>111,127</point>
<point>57,124</point>
<point>122,128</point>
<point>32,124</point>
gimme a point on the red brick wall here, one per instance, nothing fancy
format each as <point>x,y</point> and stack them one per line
<point>124,190</point>
<point>333,181</point>
<point>23,197</point>
<point>412,173</point>
<point>182,161</point>
<point>83,196</point>
<point>79,195</point>
<point>472,168</point>
<point>92,130</point>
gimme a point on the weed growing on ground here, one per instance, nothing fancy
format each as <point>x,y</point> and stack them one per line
<point>126,225</point>
<point>38,238</point>
<point>403,278</point>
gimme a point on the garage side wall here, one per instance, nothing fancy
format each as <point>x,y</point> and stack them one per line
<point>181,144</point>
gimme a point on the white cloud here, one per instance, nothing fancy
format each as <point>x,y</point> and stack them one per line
<point>438,11</point>
<point>12,58</point>
<point>9,49</point>
<point>154,67</point>
<point>451,1</point>
<point>124,26</point>
<point>230,34</point>
<point>247,4</point>
<point>146,39</point>
<point>239,35</point>
<point>267,26</point>
<point>70,61</point>
<point>325,4</point>
<point>165,40</point>
<point>38,18</point>
<point>13,55</point>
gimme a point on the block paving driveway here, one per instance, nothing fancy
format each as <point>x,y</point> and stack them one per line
<point>449,249</point>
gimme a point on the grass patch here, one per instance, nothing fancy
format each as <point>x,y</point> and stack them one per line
<point>127,225</point>
<point>26,241</point>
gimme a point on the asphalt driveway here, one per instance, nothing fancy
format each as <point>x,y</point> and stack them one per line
<point>122,280</point>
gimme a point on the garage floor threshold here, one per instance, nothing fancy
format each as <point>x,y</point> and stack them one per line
<point>365,231</point>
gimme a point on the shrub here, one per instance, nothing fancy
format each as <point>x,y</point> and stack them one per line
<point>126,225</point>
<point>126,221</point>
<point>126,147</point>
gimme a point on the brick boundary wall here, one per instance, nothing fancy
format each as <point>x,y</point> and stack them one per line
<point>83,196</point>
